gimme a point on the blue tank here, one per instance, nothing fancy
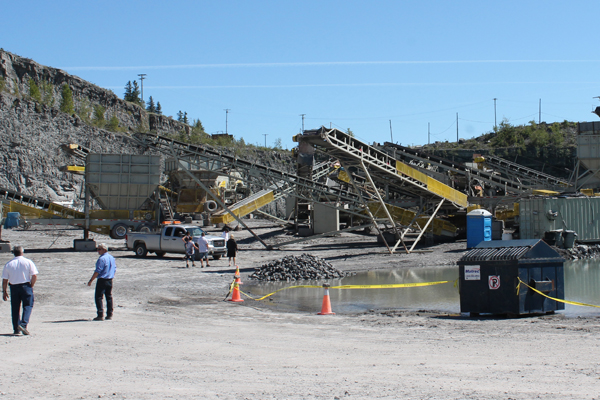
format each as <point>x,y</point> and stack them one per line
<point>479,227</point>
<point>12,220</point>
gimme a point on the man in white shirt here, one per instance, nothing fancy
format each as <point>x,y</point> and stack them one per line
<point>21,274</point>
<point>202,243</point>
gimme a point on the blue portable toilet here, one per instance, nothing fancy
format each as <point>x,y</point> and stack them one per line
<point>12,220</point>
<point>479,227</point>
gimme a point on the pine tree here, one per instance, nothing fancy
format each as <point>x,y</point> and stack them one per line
<point>158,108</point>
<point>185,118</point>
<point>197,124</point>
<point>66,103</point>
<point>135,93</point>
<point>180,116</point>
<point>151,107</point>
<point>128,91</point>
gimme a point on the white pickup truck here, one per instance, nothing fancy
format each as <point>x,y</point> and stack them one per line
<point>169,241</point>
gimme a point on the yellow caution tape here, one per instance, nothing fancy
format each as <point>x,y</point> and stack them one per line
<point>575,303</point>
<point>389,286</point>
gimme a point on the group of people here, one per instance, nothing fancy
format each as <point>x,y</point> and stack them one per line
<point>201,246</point>
<point>20,275</point>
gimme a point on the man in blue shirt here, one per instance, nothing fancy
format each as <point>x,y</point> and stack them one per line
<point>105,272</point>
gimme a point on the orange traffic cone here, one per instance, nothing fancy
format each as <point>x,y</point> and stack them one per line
<point>326,307</point>
<point>235,296</point>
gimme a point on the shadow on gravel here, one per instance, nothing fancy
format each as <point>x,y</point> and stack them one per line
<point>263,236</point>
<point>227,271</point>
<point>66,321</point>
<point>55,250</point>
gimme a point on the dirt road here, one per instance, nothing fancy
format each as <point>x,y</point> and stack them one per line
<point>174,337</point>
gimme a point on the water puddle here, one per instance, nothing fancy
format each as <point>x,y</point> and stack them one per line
<point>582,284</point>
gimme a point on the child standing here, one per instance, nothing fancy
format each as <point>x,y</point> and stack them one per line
<point>190,249</point>
<point>232,249</point>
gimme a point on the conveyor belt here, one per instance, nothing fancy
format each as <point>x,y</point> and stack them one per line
<point>527,175</point>
<point>263,197</point>
<point>407,155</point>
<point>387,170</point>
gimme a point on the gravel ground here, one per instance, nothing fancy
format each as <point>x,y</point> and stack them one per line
<point>173,337</point>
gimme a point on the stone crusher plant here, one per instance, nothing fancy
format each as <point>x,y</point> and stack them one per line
<point>296,268</point>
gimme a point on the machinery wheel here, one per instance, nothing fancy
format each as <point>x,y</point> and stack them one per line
<point>140,250</point>
<point>160,253</point>
<point>119,231</point>
<point>210,206</point>
<point>146,228</point>
<point>216,256</point>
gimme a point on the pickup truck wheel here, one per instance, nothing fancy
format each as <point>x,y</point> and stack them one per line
<point>119,231</point>
<point>140,250</point>
<point>216,256</point>
<point>160,253</point>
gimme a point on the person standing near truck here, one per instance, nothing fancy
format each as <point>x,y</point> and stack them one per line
<point>190,249</point>
<point>21,274</point>
<point>232,249</point>
<point>203,250</point>
<point>105,272</point>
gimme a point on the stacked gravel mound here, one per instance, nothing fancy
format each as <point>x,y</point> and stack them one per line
<point>295,268</point>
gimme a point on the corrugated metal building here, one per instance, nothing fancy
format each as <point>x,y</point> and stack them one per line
<point>579,214</point>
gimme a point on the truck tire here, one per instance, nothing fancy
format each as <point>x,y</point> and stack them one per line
<point>216,256</point>
<point>160,253</point>
<point>145,227</point>
<point>119,231</point>
<point>210,206</point>
<point>140,250</point>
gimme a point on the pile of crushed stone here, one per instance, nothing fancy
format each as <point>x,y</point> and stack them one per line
<point>295,268</point>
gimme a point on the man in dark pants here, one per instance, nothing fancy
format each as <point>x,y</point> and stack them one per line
<point>21,274</point>
<point>105,272</point>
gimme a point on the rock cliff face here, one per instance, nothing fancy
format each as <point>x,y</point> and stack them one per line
<point>31,137</point>
<point>32,133</point>
<point>18,71</point>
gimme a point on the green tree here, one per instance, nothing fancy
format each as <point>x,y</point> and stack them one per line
<point>135,93</point>
<point>47,90</point>
<point>277,144</point>
<point>185,118</point>
<point>99,120</point>
<point>158,108</point>
<point>349,132</point>
<point>180,116</point>
<point>128,90</point>
<point>198,125</point>
<point>113,124</point>
<point>151,107</point>
<point>66,102</point>
<point>34,91</point>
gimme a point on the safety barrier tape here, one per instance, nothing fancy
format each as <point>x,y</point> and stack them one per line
<point>575,303</point>
<point>344,287</point>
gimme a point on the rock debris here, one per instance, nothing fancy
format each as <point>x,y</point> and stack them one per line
<point>295,268</point>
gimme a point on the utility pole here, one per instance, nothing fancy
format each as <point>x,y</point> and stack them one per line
<point>391,136</point>
<point>265,135</point>
<point>495,125</point>
<point>302,115</point>
<point>226,114</point>
<point>456,128</point>
<point>142,77</point>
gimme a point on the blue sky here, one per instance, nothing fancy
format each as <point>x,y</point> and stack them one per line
<point>345,64</point>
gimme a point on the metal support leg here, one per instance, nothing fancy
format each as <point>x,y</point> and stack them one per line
<point>426,225</point>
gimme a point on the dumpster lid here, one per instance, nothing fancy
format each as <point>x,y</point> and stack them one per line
<point>511,250</point>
